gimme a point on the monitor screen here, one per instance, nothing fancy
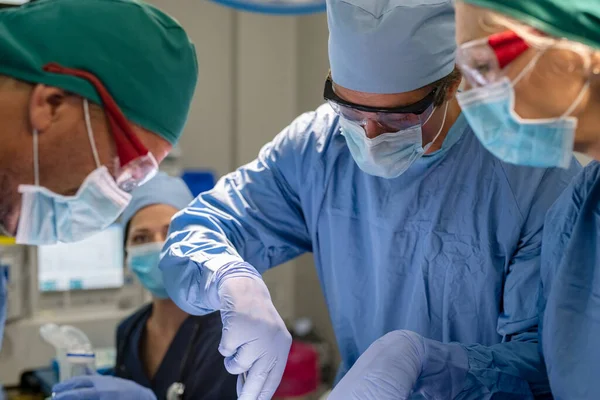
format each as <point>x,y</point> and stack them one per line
<point>93,263</point>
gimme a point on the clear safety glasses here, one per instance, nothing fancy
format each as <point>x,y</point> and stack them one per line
<point>483,61</point>
<point>135,164</point>
<point>390,119</point>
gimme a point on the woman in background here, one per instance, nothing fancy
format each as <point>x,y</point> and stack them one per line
<point>160,349</point>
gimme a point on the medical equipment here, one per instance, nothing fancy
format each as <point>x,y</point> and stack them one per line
<point>83,284</point>
<point>281,7</point>
<point>94,263</point>
<point>78,362</point>
<point>74,352</point>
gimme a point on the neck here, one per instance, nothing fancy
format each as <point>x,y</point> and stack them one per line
<point>594,151</point>
<point>433,126</point>
<point>166,316</point>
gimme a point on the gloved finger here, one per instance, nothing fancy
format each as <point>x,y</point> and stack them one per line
<point>255,382</point>
<point>73,383</point>
<point>230,342</point>
<point>272,382</point>
<point>241,361</point>
<point>240,384</point>
<point>78,394</point>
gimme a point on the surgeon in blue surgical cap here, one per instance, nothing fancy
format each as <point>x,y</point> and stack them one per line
<point>426,245</point>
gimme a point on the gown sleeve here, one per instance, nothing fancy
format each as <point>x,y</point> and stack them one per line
<point>253,214</point>
<point>570,303</point>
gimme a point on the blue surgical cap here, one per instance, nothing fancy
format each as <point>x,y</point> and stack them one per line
<point>162,189</point>
<point>390,46</point>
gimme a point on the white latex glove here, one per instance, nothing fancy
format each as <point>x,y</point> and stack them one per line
<point>255,338</point>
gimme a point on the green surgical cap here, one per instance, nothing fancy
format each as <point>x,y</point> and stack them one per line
<point>577,20</point>
<point>142,56</point>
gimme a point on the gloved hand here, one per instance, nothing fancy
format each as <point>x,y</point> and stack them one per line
<point>255,338</point>
<point>402,363</point>
<point>98,387</point>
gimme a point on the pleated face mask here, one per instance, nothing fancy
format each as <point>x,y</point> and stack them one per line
<point>48,218</point>
<point>388,155</point>
<point>489,107</point>
<point>143,261</point>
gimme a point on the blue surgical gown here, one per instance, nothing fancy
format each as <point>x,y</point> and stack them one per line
<point>450,249</point>
<point>571,289</point>
<point>203,374</point>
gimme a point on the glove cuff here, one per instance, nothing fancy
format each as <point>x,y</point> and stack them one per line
<point>235,269</point>
<point>232,269</point>
<point>444,370</point>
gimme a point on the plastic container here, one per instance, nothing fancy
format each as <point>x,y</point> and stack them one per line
<point>74,352</point>
<point>301,377</point>
<point>77,363</point>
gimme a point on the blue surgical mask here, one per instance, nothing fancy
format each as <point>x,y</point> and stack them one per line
<point>48,218</point>
<point>143,261</point>
<point>540,143</point>
<point>388,155</point>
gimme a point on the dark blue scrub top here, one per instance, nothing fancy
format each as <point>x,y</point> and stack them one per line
<point>204,375</point>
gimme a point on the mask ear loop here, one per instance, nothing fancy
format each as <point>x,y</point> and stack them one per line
<point>528,68</point>
<point>430,115</point>
<point>88,125</point>
<point>441,128</point>
<point>36,161</point>
<point>584,89</point>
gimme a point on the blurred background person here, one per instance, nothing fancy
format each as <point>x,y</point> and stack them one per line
<point>159,345</point>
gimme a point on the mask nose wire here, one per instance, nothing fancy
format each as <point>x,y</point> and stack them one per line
<point>90,132</point>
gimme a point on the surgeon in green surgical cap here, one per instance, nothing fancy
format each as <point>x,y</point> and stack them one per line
<point>93,95</point>
<point>534,73</point>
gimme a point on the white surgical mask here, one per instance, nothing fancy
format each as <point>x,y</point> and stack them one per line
<point>48,218</point>
<point>388,155</point>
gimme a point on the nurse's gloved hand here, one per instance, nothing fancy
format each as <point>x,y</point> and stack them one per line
<point>255,338</point>
<point>402,363</point>
<point>98,387</point>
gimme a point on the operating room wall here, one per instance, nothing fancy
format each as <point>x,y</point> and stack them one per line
<point>257,73</point>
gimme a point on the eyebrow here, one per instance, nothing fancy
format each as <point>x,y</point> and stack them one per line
<point>140,230</point>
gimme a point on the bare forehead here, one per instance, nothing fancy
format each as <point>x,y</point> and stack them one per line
<point>474,22</point>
